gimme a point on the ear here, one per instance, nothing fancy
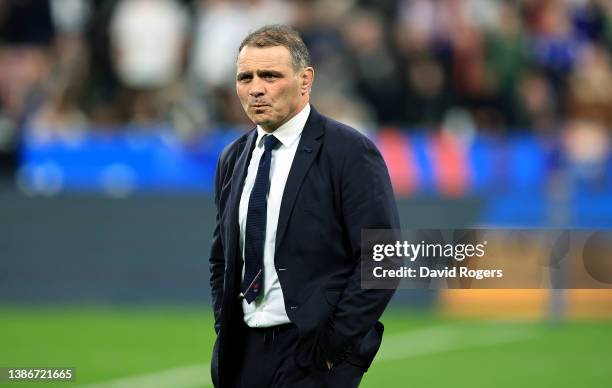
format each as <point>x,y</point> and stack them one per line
<point>306,78</point>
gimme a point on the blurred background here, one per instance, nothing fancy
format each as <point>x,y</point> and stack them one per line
<point>493,113</point>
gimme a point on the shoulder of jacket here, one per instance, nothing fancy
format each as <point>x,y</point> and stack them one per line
<point>344,137</point>
<point>231,151</point>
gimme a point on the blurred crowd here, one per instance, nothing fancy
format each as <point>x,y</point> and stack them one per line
<point>69,66</point>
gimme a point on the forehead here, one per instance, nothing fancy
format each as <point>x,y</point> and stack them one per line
<point>259,58</point>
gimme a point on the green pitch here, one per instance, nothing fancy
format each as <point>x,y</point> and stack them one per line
<point>170,347</point>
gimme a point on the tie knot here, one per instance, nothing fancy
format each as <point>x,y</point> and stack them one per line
<point>270,142</point>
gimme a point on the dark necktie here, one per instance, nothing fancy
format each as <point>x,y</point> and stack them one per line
<point>255,231</point>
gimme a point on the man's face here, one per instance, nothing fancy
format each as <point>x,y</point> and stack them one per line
<point>270,89</point>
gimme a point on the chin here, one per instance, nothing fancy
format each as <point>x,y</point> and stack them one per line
<point>260,121</point>
<point>263,121</point>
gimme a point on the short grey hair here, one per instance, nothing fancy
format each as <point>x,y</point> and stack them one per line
<point>280,35</point>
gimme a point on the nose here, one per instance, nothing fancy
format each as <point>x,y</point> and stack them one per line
<point>257,89</point>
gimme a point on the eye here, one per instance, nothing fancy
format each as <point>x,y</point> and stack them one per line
<point>270,76</point>
<point>244,78</point>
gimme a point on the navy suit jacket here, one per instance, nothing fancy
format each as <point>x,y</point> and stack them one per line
<point>338,185</point>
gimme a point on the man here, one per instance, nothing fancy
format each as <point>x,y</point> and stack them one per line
<point>292,197</point>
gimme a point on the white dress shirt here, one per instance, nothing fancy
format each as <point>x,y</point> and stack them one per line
<point>269,309</point>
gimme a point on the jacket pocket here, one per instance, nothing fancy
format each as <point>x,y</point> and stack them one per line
<point>368,347</point>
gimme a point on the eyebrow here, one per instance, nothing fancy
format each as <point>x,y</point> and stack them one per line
<point>260,73</point>
<point>265,73</point>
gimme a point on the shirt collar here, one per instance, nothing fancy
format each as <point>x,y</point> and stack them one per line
<point>289,132</point>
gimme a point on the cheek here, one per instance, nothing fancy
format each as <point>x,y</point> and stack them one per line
<point>283,97</point>
<point>241,94</point>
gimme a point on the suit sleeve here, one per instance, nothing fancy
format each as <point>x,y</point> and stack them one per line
<point>217,258</point>
<point>367,203</point>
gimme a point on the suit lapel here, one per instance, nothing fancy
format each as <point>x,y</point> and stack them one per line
<point>238,177</point>
<point>307,151</point>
